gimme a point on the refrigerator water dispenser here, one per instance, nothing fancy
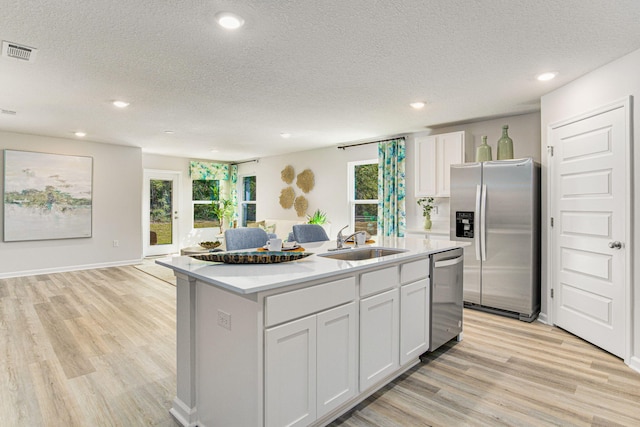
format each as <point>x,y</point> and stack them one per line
<point>464,224</point>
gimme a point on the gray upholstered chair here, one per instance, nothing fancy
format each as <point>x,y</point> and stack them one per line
<point>245,238</point>
<point>303,233</point>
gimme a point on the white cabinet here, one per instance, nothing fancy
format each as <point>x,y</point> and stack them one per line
<point>414,309</point>
<point>290,373</point>
<point>379,344</point>
<point>310,366</point>
<point>336,348</point>
<point>414,320</point>
<point>434,155</point>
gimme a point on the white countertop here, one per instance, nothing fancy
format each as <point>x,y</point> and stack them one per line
<point>251,278</point>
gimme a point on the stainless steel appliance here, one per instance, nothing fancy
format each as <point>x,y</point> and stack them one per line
<point>496,206</point>
<point>446,297</point>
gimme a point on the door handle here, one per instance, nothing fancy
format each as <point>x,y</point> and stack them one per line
<point>447,262</point>
<point>615,245</point>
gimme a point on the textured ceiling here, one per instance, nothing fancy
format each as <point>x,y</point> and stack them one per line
<point>328,72</point>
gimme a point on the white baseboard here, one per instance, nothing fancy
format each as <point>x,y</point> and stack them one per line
<point>542,318</point>
<point>183,414</point>
<point>634,363</point>
<point>69,268</point>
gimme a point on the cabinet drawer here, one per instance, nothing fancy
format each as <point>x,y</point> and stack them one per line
<point>302,302</point>
<point>377,281</point>
<point>412,271</point>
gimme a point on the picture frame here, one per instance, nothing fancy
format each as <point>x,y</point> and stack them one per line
<point>47,196</point>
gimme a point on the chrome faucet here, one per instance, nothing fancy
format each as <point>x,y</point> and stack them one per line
<point>341,239</point>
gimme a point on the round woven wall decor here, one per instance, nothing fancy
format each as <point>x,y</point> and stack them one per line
<point>301,204</point>
<point>305,180</point>
<point>286,197</point>
<point>287,174</point>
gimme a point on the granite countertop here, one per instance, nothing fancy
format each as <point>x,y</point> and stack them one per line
<point>252,278</point>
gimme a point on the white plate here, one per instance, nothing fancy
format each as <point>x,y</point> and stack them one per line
<point>283,248</point>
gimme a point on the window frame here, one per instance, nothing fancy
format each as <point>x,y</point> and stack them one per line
<point>242,202</point>
<point>351,169</point>
<point>202,202</point>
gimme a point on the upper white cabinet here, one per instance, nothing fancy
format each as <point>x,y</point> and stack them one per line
<point>434,155</point>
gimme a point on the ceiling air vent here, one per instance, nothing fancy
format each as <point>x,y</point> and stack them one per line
<point>17,51</point>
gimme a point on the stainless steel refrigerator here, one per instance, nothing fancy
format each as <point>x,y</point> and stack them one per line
<point>495,206</point>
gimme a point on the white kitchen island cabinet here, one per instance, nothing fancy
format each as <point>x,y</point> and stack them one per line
<point>296,343</point>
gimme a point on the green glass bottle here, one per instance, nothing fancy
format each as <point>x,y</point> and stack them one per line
<point>505,145</point>
<point>483,152</point>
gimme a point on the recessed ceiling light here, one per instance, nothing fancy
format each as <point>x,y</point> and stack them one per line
<point>417,105</point>
<point>80,134</point>
<point>169,132</point>
<point>229,20</point>
<point>285,135</point>
<point>547,76</point>
<point>214,150</point>
<point>120,104</point>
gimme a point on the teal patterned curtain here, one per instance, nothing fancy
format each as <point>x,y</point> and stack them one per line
<point>208,171</point>
<point>233,193</point>
<point>391,188</point>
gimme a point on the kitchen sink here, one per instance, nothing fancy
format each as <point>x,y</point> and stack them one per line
<point>359,254</point>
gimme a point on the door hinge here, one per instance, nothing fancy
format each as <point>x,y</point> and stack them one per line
<point>552,221</point>
<point>551,292</point>
<point>550,150</point>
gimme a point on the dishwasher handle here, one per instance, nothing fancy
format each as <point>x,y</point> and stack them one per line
<point>448,262</point>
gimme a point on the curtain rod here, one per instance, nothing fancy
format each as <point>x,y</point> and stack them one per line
<point>343,147</point>
<point>246,161</point>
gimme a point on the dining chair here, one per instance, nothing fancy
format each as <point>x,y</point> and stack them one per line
<point>303,233</point>
<point>245,238</point>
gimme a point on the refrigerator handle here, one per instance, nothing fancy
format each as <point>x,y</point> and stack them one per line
<point>483,223</point>
<point>477,222</point>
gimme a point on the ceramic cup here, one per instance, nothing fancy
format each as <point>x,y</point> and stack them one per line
<point>360,238</point>
<point>274,244</point>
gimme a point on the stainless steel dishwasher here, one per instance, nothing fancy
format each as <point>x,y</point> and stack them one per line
<point>446,297</point>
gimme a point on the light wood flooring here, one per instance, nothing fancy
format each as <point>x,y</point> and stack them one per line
<point>97,348</point>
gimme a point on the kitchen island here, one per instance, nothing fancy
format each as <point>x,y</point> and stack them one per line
<point>297,343</point>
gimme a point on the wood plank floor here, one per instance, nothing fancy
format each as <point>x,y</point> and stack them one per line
<point>97,348</point>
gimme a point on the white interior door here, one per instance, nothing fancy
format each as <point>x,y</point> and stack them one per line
<point>590,181</point>
<point>160,212</point>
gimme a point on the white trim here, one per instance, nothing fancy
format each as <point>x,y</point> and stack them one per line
<point>634,363</point>
<point>68,268</point>
<point>624,103</point>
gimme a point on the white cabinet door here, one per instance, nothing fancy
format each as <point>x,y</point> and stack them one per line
<point>414,320</point>
<point>290,373</point>
<point>337,341</point>
<point>379,343</point>
<point>434,156</point>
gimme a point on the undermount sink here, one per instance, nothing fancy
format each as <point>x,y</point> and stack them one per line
<point>359,254</point>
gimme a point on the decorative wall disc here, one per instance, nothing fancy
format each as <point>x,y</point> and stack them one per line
<point>305,180</point>
<point>286,197</point>
<point>301,204</point>
<point>287,174</point>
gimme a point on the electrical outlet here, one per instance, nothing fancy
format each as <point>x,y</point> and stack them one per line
<point>224,319</point>
<point>116,243</point>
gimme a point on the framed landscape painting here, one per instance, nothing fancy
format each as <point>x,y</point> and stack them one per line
<point>46,196</point>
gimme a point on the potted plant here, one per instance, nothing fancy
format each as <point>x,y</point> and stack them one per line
<point>427,204</point>
<point>318,217</point>
<point>223,210</point>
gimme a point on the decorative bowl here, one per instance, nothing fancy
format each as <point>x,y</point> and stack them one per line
<point>210,245</point>
<point>253,257</point>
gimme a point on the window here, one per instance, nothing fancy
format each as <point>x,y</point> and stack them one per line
<point>363,195</point>
<point>203,192</point>
<point>248,196</point>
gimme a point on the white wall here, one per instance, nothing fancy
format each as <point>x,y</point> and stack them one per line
<point>117,189</point>
<point>524,129</point>
<point>187,236</point>
<point>605,85</point>
<point>329,194</point>
<point>330,168</point>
